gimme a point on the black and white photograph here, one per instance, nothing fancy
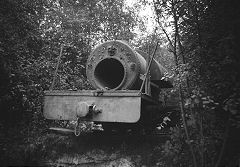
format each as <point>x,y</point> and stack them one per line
<point>120,83</point>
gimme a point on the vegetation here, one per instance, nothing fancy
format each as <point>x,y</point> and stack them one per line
<point>203,45</point>
<point>205,51</point>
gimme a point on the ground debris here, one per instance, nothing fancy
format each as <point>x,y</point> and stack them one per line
<point>106,150</point>
<point>101,160</point>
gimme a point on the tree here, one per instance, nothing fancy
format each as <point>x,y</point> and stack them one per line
<point>79,26</point>
<point>200,34</point>
<point>32,34</point>
<point>19,45</point>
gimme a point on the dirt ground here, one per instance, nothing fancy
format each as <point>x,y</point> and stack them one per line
<point>103,149</point>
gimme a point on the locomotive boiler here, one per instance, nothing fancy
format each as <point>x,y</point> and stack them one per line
<point>127,84</point>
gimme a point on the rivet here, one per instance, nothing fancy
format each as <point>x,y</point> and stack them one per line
<point>132,66</point>
<point>101,57</point>
<point>89,65</point>
<point>92,59</point>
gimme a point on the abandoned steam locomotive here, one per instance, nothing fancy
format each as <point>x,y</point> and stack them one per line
<point>127,84</point>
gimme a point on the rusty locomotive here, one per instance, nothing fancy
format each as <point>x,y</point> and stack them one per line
<point>127,84</point>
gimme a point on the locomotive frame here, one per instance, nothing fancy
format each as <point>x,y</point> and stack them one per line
<point>110,107</point>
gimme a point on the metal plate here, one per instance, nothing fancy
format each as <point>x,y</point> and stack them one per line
<point>117,106</point>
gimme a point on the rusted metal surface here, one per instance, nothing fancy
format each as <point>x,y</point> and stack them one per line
<point>156,69</point>
<point>116,65</point>
<point>120,106</point>
<point>117,71</point>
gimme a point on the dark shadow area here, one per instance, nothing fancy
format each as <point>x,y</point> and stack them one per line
<point>109,73</point>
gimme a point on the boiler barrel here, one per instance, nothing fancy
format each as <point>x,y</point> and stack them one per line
<point>116,65</point>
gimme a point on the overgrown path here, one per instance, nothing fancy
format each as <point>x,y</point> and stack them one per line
<point>105,149</point>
